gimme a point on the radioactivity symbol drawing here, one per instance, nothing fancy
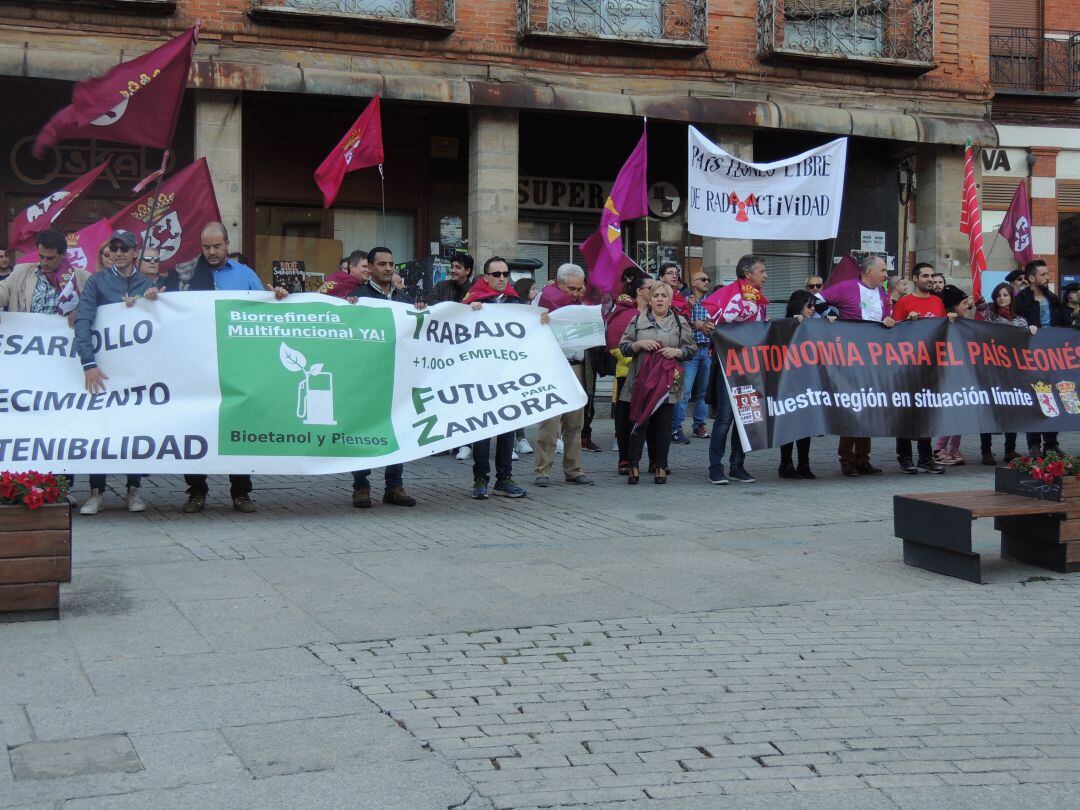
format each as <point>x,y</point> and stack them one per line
<point>315,393</point>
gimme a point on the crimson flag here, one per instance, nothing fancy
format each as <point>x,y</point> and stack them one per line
<point>971,223</point>
<point>361,147</point>
<point>137,102</point>
<point>185,203</point>
<point>82,246</point>
<point>629,199</point>
<point>1016,227</point>
<point>50,212</point>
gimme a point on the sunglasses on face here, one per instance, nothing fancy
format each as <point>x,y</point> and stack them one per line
<point>701,279</point>
<point>813,286</point>
<point>153,259</point>
<point>499,273</point>
<point>119,248</point>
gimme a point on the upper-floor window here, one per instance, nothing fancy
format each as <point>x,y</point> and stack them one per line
<point>896,33</point>
<point>672,24</point>
<point>418,17</point>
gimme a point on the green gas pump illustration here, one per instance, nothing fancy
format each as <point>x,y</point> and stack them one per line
<point>315,393</point>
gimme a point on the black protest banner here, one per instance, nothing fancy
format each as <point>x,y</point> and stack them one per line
<point>921,378</point>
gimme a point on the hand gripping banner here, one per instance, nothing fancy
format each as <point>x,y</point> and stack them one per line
<point>921,378</point>
<point>238,383</point>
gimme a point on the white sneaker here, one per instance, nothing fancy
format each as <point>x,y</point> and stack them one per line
<point>134,501</point>
<point>93,503</point>
<point>558,447</point>
<point>523,447</point>
<point>464,453</point>
<point>514,455</point>
<point>615,445</point>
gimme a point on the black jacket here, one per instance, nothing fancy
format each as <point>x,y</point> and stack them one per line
<point>202,280</point>
<point>447,290</point>
<point>371,290</point>
<point>1027,308</point>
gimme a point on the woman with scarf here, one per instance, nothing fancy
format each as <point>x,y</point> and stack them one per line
<point>633,301</point>
<point>659,340</point>
<point>999,309</point>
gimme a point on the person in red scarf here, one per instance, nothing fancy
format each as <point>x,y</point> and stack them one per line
<point>49,286</point>
<point>568,290</point>
<point>493,287</point>
<point>738,302</point>
<point>343,283</point>
<point>671,274</point>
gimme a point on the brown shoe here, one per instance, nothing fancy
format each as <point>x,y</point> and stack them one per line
<point>361,498</point>
<point>397,496</point>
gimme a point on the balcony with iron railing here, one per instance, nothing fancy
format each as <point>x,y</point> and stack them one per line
<point>675,25</point>
<point>895,35</point>
<point>432,18</point>
<point>1027,61</point>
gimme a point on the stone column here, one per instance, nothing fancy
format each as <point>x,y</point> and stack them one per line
<point>218,127</point>
<point>1044,207</point>
<point>939,192</point>
<point>493,183</point>
<point>719,256</point>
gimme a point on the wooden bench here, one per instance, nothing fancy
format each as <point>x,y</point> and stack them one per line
<point>936,530</point>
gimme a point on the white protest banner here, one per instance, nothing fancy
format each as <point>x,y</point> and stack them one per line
<point>206,382</point>
<point>578,327</point>
<point>795,198</point>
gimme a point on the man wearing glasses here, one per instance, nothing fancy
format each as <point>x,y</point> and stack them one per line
<point>119,283</point>
<point>150,265</point>
<point>697,368</point>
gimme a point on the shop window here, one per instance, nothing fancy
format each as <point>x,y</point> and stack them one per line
<point>788,264</point>
<point>320,239</point>
<point>552,242</point>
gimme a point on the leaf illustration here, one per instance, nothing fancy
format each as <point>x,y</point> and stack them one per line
<point>315,369</point>
<point>291,358</point>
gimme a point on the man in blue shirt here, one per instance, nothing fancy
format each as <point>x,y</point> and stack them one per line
<point>214,270</point>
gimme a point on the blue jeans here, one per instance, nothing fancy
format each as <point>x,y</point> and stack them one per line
<point>724,422</point>
<point>695,380</point>
<point>391,474</point>
<point>98,481</point>
<point>504,458</point>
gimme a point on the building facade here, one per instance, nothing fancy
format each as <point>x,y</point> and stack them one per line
<point>505,121</point>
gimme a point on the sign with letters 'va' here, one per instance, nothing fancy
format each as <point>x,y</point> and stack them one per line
<point>232,382</point>
<point>795,198</point>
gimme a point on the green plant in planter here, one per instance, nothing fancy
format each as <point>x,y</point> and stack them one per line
<point>32,489</point>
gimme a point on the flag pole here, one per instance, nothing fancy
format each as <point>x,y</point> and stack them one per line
<point>153,207</point>
<point>645,124</point>
<point>382,215</point>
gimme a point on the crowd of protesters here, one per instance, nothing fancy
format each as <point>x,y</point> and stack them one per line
<point>658,349</point>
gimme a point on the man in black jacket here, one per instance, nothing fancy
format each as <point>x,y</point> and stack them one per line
<point>381,285</point>
<point>1040,308</point>
<point>494,287</point>
<point>455,287</point>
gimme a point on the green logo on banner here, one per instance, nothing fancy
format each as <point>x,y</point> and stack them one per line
<point>305,379</point>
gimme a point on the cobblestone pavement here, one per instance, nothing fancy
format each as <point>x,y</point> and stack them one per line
<point>868,697</point>
<point>668,648</point>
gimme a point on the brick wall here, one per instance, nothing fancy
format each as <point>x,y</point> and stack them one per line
<point>486,35</point>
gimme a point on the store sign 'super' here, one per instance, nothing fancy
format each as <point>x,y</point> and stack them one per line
<point>795,198</point>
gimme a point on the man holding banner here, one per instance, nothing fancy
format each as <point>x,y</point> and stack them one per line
<point>120,283</point>
<point>49,286</point>
<point>741,301</point>
<point>861,299</point>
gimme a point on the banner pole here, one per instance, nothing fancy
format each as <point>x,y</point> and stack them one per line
<point>153,210</point>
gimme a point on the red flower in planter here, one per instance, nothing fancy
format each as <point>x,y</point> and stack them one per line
<point>32,489</point>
